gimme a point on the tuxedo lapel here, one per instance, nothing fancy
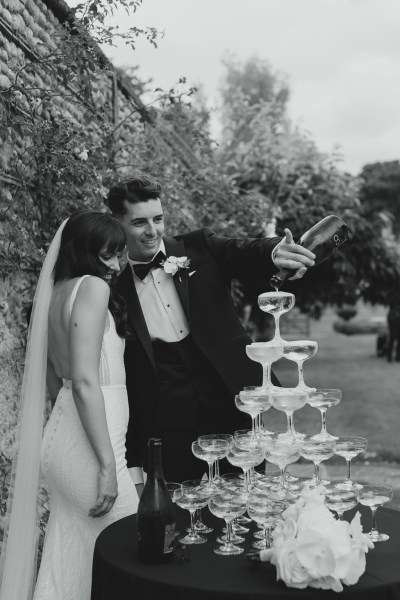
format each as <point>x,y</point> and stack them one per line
<point>174,247</point>
<point>128,290</point>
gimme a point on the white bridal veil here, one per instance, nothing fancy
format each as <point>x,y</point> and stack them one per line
<point>21,528</point>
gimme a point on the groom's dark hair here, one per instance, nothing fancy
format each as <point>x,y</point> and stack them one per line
<point>136,189</point>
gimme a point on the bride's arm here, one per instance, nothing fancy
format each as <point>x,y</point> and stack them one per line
<point>86,330</point>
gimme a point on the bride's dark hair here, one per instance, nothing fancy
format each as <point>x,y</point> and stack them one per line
<point>85,234</point>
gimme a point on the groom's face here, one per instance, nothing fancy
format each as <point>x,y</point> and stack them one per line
<point>143,223</point>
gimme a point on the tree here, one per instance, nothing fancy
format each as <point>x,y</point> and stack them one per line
<point>256,80</point>
<point>380,190</point>
<point>281,174</point>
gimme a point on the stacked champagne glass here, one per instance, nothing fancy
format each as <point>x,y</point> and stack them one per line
<point>257,491</point>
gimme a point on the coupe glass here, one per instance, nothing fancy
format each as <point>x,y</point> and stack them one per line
<point>324,399</point>
<point>276,303</point>
<point>193,495</point>
<point>339,501</point>
<point>299,351</point>
<point>349,448</point>
<point>245,439</point>
<point>235,482</point>
<point>210,452</point>
<point>265,513</point>
<point>245,458</point>
<point>282,453</point>
<point>265,353</point>
<point>203,439</point>
<point>374,496</point>
<point>172,486</point>
<point>317,452</point>
<point>228,505</point>
<point>254,401</point>
<point>288,400</point>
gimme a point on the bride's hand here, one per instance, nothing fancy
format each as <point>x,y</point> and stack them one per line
<point>107,492</point>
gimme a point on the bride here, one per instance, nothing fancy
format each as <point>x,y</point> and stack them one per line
<point>76,331</point>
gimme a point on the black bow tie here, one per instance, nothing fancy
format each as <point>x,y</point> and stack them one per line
<point>142,269</point>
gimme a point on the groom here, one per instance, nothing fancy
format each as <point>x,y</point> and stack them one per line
<point>185,354</point>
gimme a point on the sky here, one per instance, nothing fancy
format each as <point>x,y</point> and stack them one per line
<point>341,58</point>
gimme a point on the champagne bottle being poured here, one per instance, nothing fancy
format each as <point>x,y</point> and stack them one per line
<point>322,239</point>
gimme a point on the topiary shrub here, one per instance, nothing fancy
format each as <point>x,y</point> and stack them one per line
<point>346,312</point>
<point>359,326</point>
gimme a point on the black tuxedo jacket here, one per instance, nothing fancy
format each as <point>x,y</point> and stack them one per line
<point>214,324</point>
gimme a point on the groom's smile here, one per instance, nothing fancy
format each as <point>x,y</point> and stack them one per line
<point>143,223</point>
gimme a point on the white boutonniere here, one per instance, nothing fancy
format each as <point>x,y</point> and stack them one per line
<point>173,264</point>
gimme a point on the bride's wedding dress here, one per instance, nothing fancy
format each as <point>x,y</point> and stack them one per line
<point>71,469</point>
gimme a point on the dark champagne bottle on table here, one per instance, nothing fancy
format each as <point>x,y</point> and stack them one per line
<point>322,239</point>
<point>156,512</point>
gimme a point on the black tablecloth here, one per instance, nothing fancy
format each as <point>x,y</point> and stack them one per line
<point>117,574</point>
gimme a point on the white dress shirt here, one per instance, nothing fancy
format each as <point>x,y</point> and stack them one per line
<point>160,303</point>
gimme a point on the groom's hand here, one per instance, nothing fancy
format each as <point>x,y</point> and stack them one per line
<point>288,255</point>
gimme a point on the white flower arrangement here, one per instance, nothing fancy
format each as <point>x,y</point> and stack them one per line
<point>312,548</point>
<point>173,264</point>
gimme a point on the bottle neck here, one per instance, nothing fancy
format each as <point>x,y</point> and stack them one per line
<point>155,470</point>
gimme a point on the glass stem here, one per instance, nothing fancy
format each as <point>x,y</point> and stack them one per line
<point>277,330</point>
<point>373,527</point>
<point>210,471</point>
<point>192,522</point>
<point>348,478</point>
<point>266,375</point>
<point>199,520</point>
<point>246,480</point>
<point>254,424</point>
<point>228,532</point>
<point>216,466</point>
<point>301,375</point>
<point>323,420</point>
<point>258,423</point>
<point>268,536</point>
<point>316,473</point>
<point>283,473</point>
<point>290,425</point>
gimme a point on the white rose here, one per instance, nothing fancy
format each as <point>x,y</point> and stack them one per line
<point>312,548</point>
<point>173,259</point>
<point>355,566</point>
<point>284,531</point>
<point>170,267</point>
<point>182,262</point>
<point>356,532</point>
<point>288,566</point>
<point>325,543</point>
<point>327,583</point>
<point>315,554</point>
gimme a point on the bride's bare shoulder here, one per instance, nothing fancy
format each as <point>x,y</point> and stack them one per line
<point>92,291</point>
<point>93,288</point>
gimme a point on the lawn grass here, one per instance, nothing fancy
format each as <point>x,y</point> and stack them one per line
<point>370,406</point>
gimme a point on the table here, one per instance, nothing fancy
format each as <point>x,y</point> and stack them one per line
<point>118,575</point>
